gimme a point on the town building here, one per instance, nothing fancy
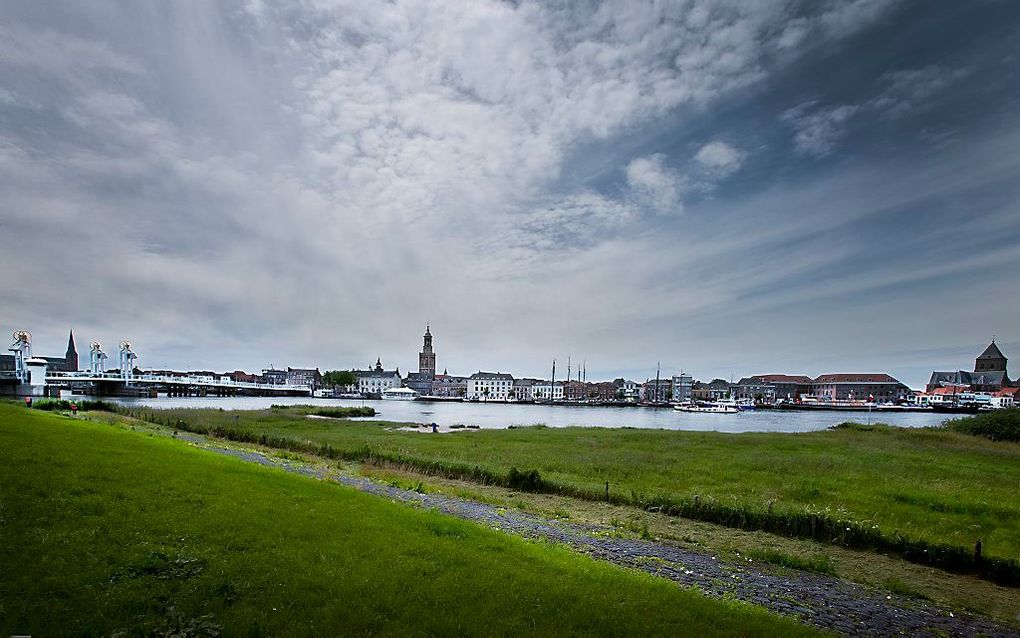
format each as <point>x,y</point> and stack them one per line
<point>989,375</point>
<point>683,387</point>
<point>448,385</point>
<point>310,377</point>
<point>376,380</point>
<point>754,389</point>
<point>627,390</point>
<point>273,376</point>
<point>489,386</point>
<point>420,382</point>
<point>881,388</point>
<point>714,390</point>
<point>657,390</point>
<point>546,391</point>
<point>524,389</point>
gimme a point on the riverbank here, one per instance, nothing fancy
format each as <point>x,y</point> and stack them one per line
<point>501,415</point>
<point>927,494</point>
<point>110,531</point>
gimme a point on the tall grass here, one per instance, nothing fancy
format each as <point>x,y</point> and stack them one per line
<point>810,477</point>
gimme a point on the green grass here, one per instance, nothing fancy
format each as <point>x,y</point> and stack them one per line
<point>106,530</point>
<point>914,489</point>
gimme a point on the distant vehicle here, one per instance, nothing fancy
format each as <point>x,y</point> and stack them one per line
<point>399,394</point>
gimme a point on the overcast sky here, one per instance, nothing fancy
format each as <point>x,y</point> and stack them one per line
<point>728,187</point>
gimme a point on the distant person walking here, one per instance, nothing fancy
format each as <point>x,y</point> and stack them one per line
<point>28,402</point>
<point>435,428</point>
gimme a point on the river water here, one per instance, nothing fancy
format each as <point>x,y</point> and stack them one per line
<point>501,415</point>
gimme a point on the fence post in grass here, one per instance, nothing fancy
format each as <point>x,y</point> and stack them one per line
<point>977,551</point>
<point>695,501</point>
<point>607,490</point>
<point>814,524</point>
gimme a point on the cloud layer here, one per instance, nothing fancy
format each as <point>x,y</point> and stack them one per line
<point>310,182</point>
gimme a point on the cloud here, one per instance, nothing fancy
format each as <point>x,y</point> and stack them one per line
<point>654,185</point>
<point>719,159</point>
<point>817,129</point>
<point>910,90</point>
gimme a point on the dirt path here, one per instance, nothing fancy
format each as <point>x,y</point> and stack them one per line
<point>823,601</point>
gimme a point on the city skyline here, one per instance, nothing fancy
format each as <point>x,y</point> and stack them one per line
<point>590,374</point>
<point>783,188</point>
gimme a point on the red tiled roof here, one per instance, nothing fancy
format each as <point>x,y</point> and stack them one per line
<point>784,378</point>
<point>1005,392</point>
<point>855,378</point>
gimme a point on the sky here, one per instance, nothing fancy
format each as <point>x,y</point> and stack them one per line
<point>728,188</point>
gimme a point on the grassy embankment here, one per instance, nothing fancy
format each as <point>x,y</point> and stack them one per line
<point>926,494</point>
<point>107,530</point>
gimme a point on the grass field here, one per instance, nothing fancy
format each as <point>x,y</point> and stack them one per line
<point>106,530</point>
<point>933,485</point>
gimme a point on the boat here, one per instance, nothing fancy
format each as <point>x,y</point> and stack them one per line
<point>709,408</point>
<point>399,394</point>
<point>955,408</point>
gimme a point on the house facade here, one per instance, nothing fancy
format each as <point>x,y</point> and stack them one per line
<point>489,386</point>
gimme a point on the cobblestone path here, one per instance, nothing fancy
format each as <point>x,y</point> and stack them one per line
<point>823,601</point>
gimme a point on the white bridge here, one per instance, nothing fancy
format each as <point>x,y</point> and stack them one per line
<point>172,381</point>
<point>32,376</point>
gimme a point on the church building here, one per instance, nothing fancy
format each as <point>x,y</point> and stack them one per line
<point>989,375</point>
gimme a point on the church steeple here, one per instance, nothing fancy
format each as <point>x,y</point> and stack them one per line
<point>991,359</point>
<point>71,356</point>
<point>427,358</point>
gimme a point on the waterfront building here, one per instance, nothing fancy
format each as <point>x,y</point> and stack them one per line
<point>545,391</point>
<point>489,386</point>
<point>682,387</point>
<point>754,389</point>
<point>376,380</point>
<point>310,377</point>
<point>788,387</point>
<point>448,385</point>
<point>714,390</point>
<point>989,375</point>
<point>524,389</point>
<point>603,391</point>
<point>273,376</point>
<point>859,387</point>
<point>574,390</point>
<point>627,390</point>
<point>657,390</point>
<point>420,382</point>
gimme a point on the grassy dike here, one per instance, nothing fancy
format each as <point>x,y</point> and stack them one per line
<point>925,494</point>
<point>107,530</point>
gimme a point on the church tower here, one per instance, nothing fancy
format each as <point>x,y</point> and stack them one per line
<point>71,356</point>
<point>427,358</point>
<point>991,360</point>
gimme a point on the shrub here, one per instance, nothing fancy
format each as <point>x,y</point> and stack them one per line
<point>997,425</point>
<point>344,413</point>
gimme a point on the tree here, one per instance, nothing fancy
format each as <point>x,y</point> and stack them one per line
<point>333,378</point>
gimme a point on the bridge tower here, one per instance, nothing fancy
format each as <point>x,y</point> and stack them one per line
<point>22,349</point>
<point>127,360</point>
<point>97,358</point>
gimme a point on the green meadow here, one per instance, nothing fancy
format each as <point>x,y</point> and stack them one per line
<point>106,530</point>
<point>932,485</point>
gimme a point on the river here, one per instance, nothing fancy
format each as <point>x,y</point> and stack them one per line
<point>501,415</point>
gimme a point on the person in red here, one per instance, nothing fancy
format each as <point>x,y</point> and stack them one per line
<point>74,408</point>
